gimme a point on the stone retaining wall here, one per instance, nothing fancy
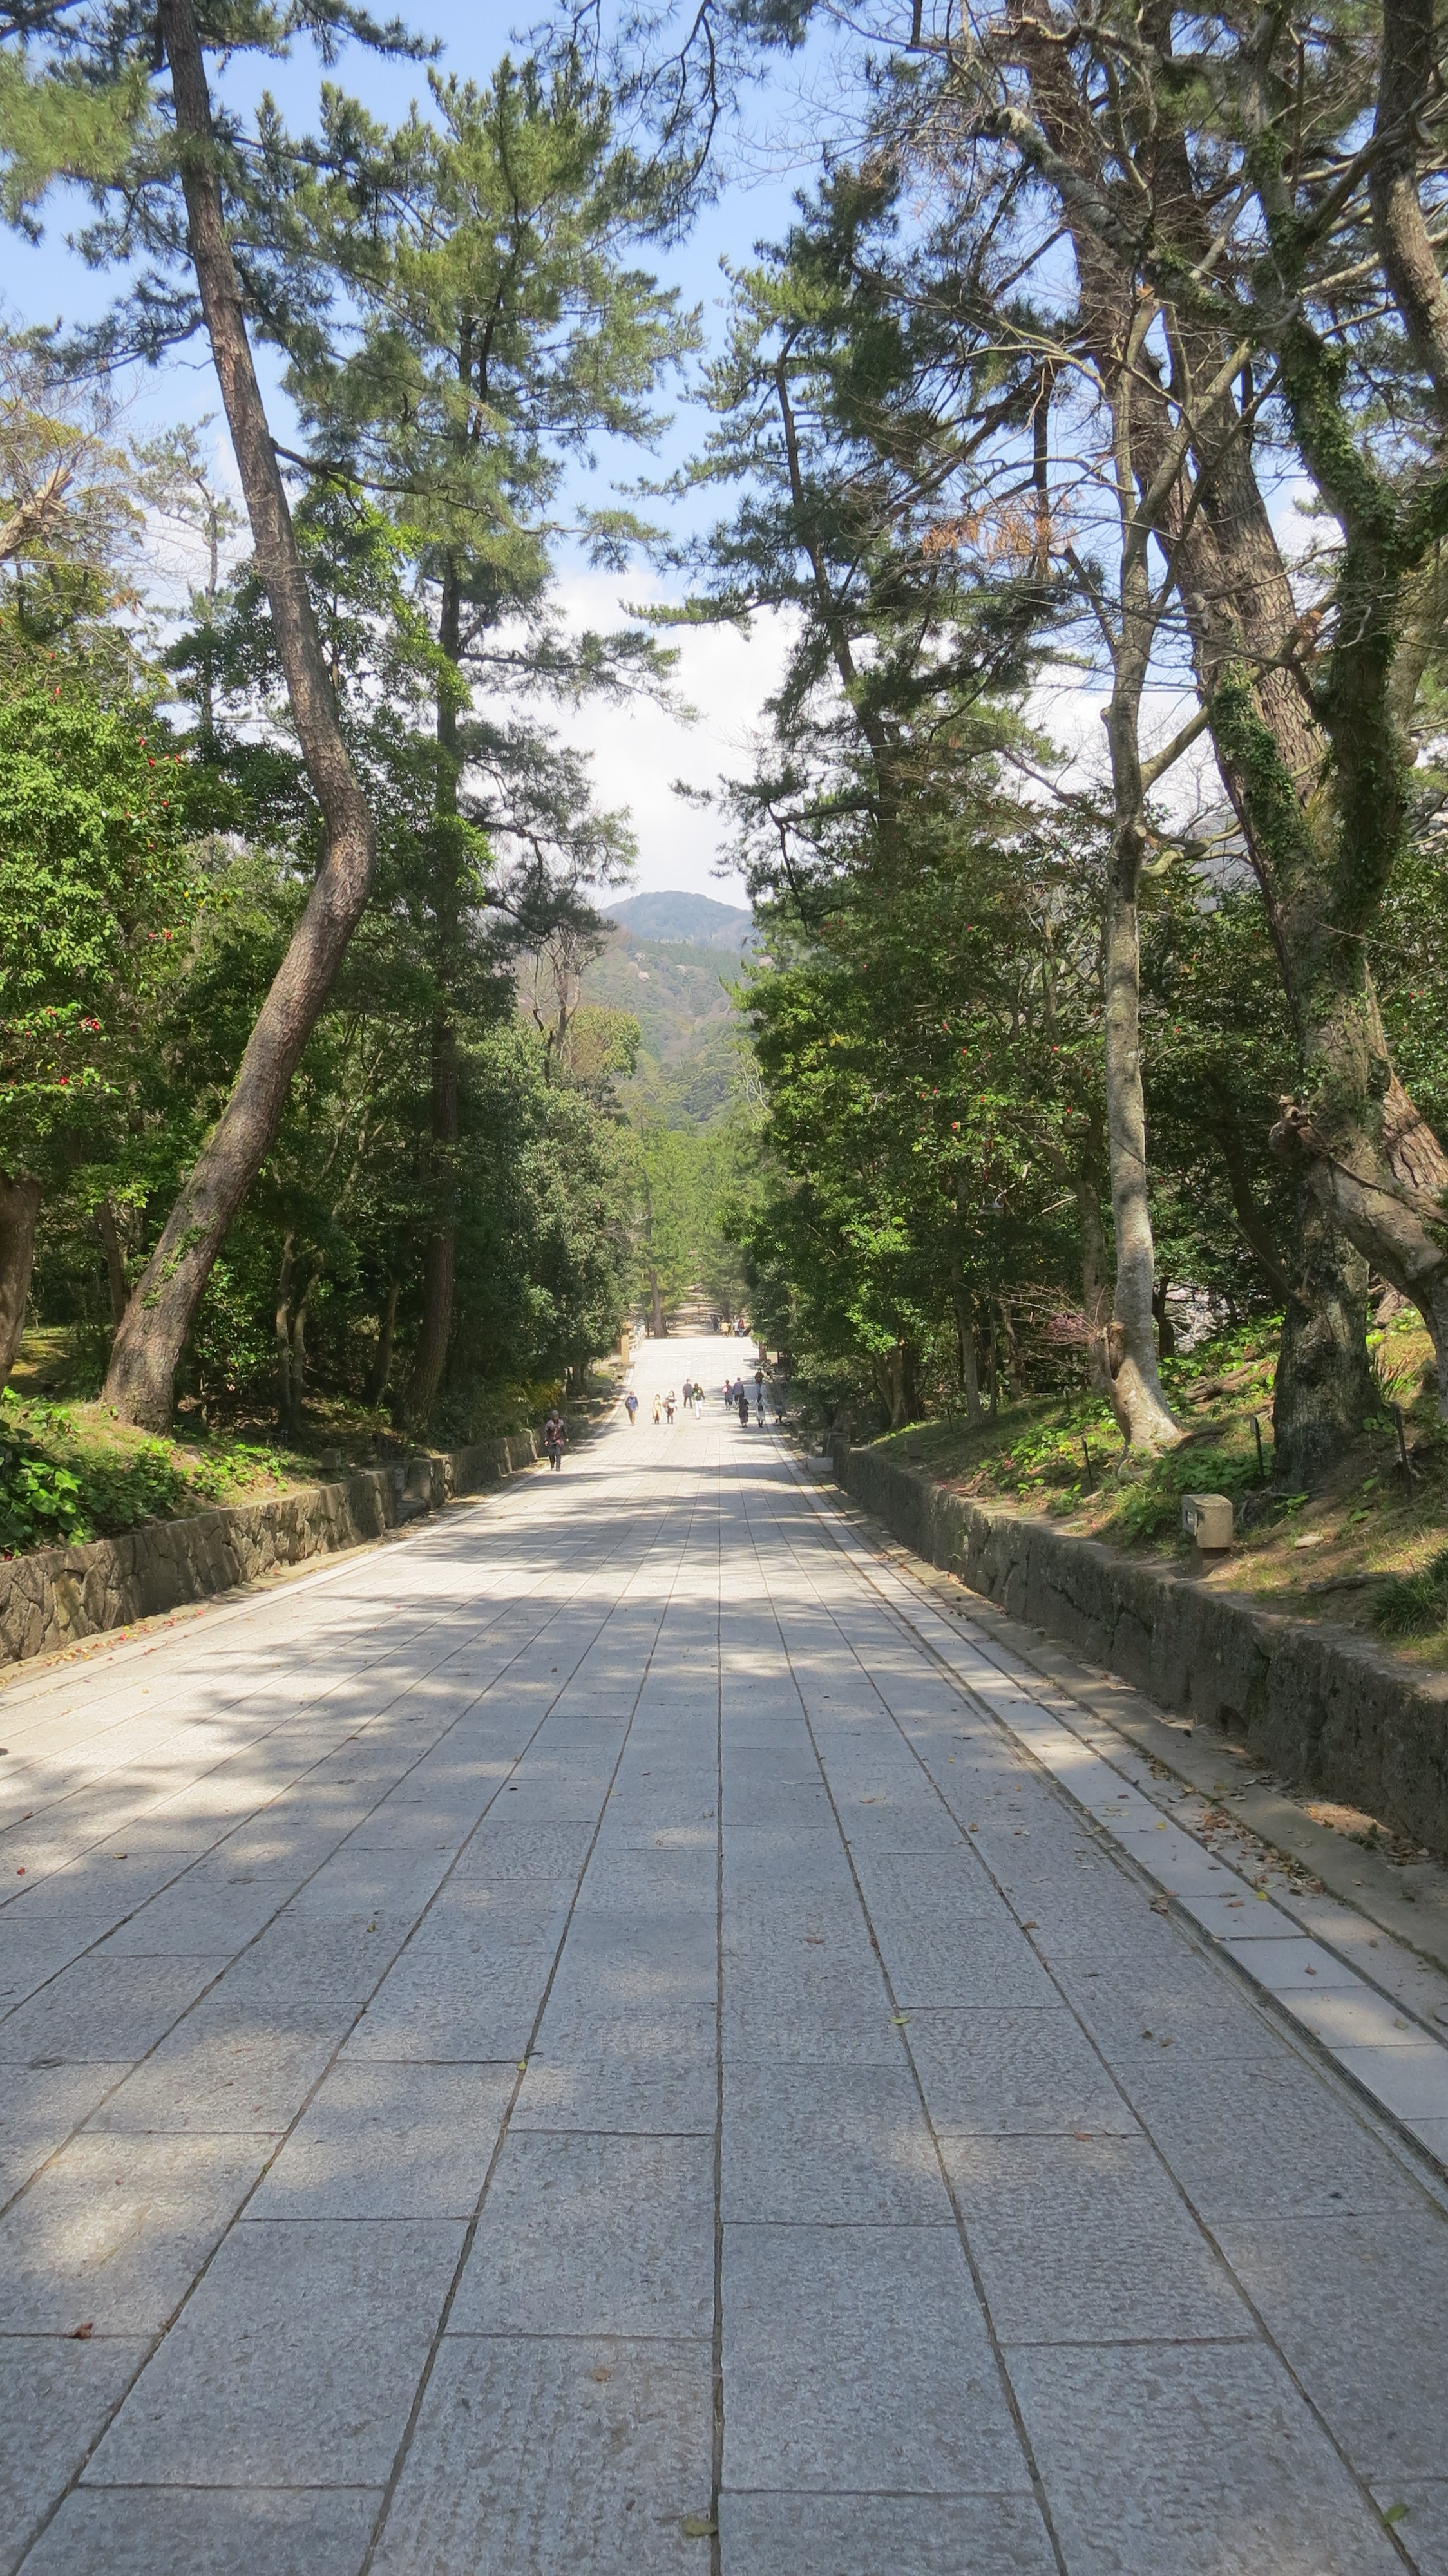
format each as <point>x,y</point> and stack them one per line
<point>49,1599</point>
<point>1330,1713</point>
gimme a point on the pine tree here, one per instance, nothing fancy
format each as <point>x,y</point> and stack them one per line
<point>499,329</point>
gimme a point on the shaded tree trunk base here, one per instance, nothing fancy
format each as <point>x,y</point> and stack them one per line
<point>438,1271</point>
<point>19,1209</point>
<point>1385,1191</point>
<point>1324,1387</point>
<point>969,1366</point>
<point>1127,1376</point>
<point>117,1284</point>
<point>387,1331</point>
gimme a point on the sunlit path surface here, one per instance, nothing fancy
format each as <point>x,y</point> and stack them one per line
<point>569,2043</point>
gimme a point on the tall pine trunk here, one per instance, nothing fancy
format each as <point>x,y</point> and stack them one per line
<point>439,1260</point>
<point>1239,609</point>
<point>1127,1348</point>
<point>140,1382</point>
<point>439,1264</point>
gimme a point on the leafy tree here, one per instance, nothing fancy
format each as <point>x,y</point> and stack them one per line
<point>98,895</point>
<point>668,1178</point>
<point>173,185</point>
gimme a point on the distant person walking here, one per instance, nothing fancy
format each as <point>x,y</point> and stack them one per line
<point>670,1401</point>
<point>743,1403</point>
<point>630,1406</point>
<point>656,1413</point>
<point>554,1435</point>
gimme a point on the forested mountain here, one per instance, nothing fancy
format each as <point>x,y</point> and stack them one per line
<point>691,920</point>
<point>689,1028</point>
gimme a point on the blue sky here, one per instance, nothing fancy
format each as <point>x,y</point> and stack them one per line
<point>636,754</point>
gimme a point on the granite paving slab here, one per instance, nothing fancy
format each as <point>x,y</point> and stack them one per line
<point>594,2234</point>
<point>865,2535</point>
<point>294,2363</point>
<point>553,2455</point>
<point>112,2233</point>
<point>56,2396</point>
<point>187,2531</point>
<point>1203,2462</point>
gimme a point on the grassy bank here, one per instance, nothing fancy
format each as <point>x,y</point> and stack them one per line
<point>70,1472</point>
<point>1368,1549</point>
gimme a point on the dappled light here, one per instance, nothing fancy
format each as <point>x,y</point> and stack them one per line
<point>619,1942</point>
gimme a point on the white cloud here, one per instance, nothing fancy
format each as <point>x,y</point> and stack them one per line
<point>639,749</point>
<point>1071,712</point>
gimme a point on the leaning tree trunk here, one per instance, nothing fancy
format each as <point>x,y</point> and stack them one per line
<point>19,1208</point>
<point>140,1382</point>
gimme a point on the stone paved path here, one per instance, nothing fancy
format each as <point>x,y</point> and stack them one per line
<point>570,2043</point>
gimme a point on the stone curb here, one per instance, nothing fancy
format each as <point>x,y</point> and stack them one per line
<point>60,1594</point>
<point>1328,1712</point>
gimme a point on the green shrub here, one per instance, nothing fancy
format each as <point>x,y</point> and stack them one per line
<point>1413,1605</point>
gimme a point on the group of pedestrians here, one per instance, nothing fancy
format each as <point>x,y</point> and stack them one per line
<point>737,1398</point>
<point>665,1406</point>
<point>738,1395</point>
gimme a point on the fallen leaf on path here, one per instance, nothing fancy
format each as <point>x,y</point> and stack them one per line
<point>699,2526</point>
<point>82,2334</point>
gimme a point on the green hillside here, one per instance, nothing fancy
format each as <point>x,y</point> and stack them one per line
<point>678,993</point>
